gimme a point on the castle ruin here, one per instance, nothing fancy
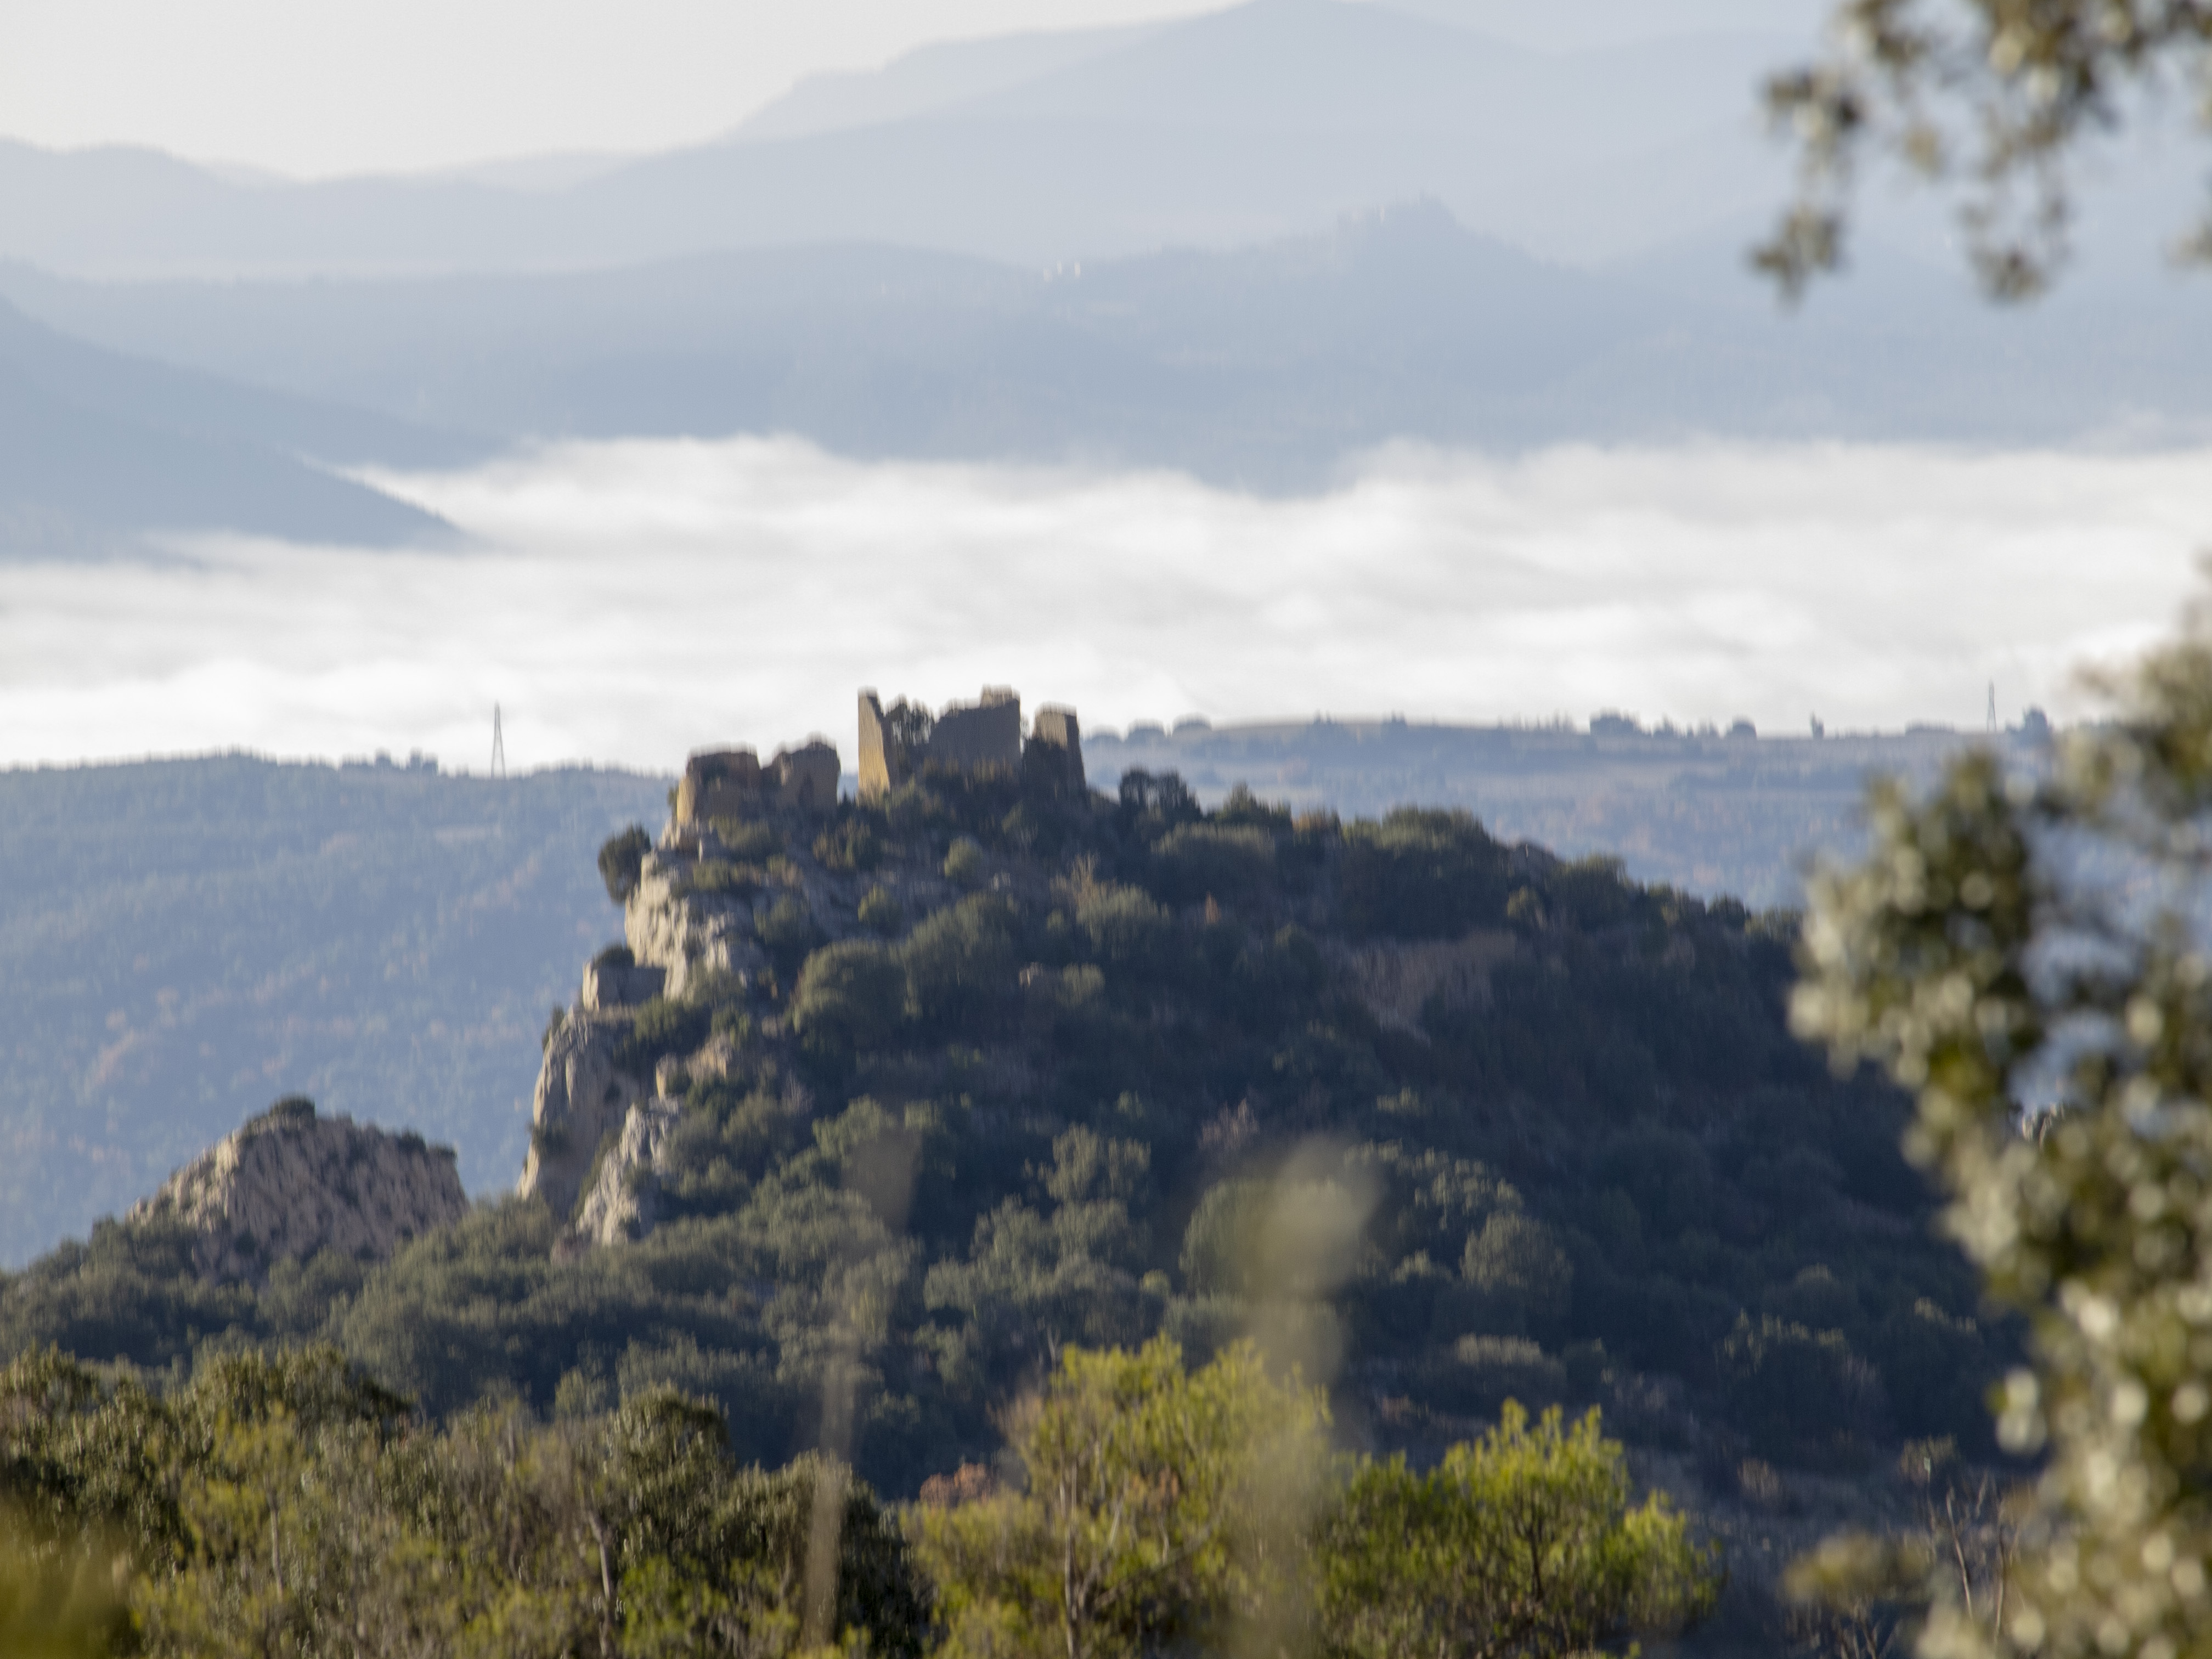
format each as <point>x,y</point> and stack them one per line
<point>728,783</point>
<point>984,735</point>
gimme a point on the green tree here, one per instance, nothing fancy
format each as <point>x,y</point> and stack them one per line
<point>1152,1510</point>
<point>1524,1543</point>
<point>622,861</point>
<point>2000,94</point>
<point>2027,954</point>
<point>849,998</point>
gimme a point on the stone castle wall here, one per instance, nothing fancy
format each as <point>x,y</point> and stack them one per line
<point>728,783</point>
<point>971,737</point>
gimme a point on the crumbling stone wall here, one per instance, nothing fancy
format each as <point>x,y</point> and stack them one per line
<point>987,732</point>
<point>884,762</point>
<point>727,783</point>
<point>896,743</point>
<point>1056,742</point>
<point>806,776</point>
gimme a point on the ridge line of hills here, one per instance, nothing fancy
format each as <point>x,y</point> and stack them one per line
<point>1270,367</point>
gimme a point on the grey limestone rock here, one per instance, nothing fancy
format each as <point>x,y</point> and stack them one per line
<point>290,1183</point>
<point>582,1096</point>
<point>622,1200</point>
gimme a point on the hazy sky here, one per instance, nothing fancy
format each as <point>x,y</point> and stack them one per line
<point>629,602</point>
<point>318,86</point>
<point>314,88</point>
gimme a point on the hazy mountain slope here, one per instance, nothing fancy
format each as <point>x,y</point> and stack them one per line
<point>1589,23</point>
<point>184,399</point>
<point>183,941</point>
<point>96,450</point>
<point>1264,120</point>
<point>1265,366</point>
<point>929,79</point>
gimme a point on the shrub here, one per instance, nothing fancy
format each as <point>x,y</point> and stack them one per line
<point>960,963</point>
<point>660,1028</point>
<point>622,861</point>
<point>1421,875</point>
<point>848,845</point>
<point>748,841</point>
<point>1478,1373</point>
<point>1799,1396</point>
<point>1124,925</point>
<point>849,998</point>
<point>1523,1276</point>
<point>722,875</point>
<point>966,865</point>
<point>881,913</point>
<point>787,932</point>
<point>1231,862</point>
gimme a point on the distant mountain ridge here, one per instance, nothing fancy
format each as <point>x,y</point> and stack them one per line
<point>98,450</point>
<point>1268,368</point>
<point>1267,119</point>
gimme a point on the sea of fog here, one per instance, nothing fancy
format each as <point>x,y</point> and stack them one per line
<point>624,602</point>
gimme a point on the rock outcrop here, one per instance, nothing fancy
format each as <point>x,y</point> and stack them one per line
<point>671,924</point>
<point>583,1095</point>
<point>290,1183</point>
<point>624,1200</point>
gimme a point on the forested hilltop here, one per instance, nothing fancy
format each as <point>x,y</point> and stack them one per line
<point>196,937</point>
<point>1020,1067</point>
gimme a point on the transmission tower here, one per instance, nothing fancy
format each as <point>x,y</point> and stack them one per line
<point>498,745</point>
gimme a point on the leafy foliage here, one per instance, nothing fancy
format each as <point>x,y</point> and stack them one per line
<point>1152,1513</point>
<point>1524,1543</point>
<point>284,1504</point>
<point>2027,954</point>
<point>621,861</point>
<point>2004,95</point>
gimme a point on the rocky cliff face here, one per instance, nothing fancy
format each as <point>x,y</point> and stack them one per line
<point>290,1183</point>
<point>686,934</point>
<point>599,1124</point>
<point>623,1201</point>
<point>583,1096</point>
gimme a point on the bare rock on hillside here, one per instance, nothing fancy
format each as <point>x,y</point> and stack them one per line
<point>290,1183</point>
<point>685,933</point>
<point>583,1094</point>
<point>623,1202</point>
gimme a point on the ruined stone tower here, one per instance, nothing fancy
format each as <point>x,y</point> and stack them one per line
<point>896,742</point>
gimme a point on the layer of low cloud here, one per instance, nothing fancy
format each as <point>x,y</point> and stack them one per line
<point>624,603</point>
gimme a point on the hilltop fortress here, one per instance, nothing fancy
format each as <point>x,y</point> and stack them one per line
<point>749,873</point>
<point>895,745</point>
